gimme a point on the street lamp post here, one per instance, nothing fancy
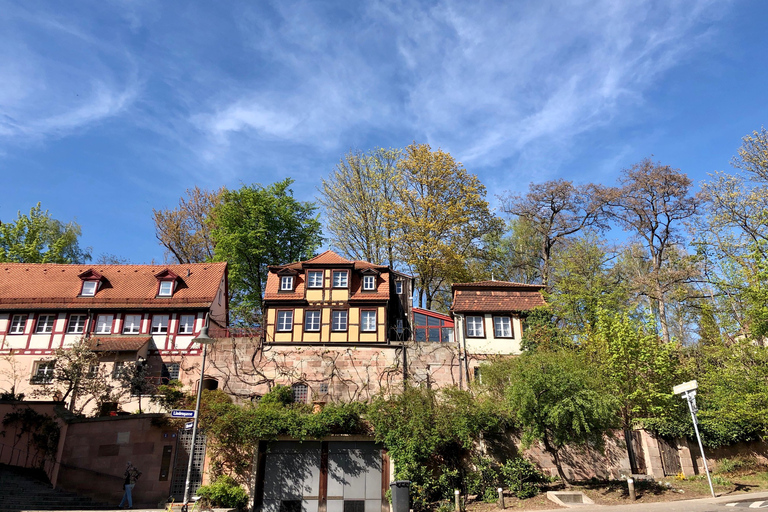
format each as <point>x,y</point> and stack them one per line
<point>688,391</point>
<point>204,340</point>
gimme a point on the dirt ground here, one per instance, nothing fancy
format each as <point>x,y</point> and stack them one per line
<point>667,489</point>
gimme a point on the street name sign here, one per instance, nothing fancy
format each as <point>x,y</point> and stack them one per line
<point>188,425</point>
<point>180,413</point>
<point>685,386</point>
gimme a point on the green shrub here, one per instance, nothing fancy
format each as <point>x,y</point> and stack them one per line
<point>735,464</point>
<point>279,394</point>
<point>224,492</point>
<point>485,479</point>
<point>522,477</point>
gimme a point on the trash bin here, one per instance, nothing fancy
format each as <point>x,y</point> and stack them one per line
<point>401,497</point>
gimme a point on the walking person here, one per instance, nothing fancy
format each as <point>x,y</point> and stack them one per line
<point>131,476</point>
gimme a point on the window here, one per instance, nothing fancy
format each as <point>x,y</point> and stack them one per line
<point>43,372</point>
<point>399,287</point>
<point>369,282</point>
<point>160,324</point>
<point>18,322</point>
<point>286,283</point>
<point>89,288</point>
<point>300,393</point>
<point>502,327</point>
<point>45,323</point>
<point>312,321</point>
<point>339,322</point>
<point>76,324</point>
<point>132,324</point>
<point>284,321</point>
<point>187,324</point>
<point>324,388</point>
<point>122,369</point>
<point>475,327</point>
<point>431,328</point>
<point>93,371</point>
<point>104,324</point>
<point>315,278</point>
<point>170,372</point>
<point>340,278</point>
<point>368,321</point>
<point>478,374</point>
<point>166,289</point>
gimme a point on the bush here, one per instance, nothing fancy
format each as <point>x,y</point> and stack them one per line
<point>522,477</point>
<point>485,479</point>
<point>224,492</point>
<point>735,464</point>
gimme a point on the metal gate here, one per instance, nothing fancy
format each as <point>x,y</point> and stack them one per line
<point>179,478</point>
<point>670,459</point>
<point>633,439</point>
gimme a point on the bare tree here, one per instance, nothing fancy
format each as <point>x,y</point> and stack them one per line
<point>652,201</point>
<point>555,210</point>
<point>185,232</point>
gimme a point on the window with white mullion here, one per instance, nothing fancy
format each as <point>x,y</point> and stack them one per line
<point>132,324</point>
<point>339,321</point>
<point>284,321</point>
<point>18,323</point>
<point>160,324</point>
<point>286,283</point>
<point>368,321</point>
<point>312,321</point>
<point>104,324</point>
<point>76,324</point>
<point>340,278</point>
<point>315,279</point>
<point>502,327</point>
<point>45,324</point>
<point>475,326</point>
<point>369,283</point>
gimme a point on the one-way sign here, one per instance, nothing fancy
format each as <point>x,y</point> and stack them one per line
<point>180,413</point>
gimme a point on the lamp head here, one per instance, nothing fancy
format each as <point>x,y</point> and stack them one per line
<point>203,337</point>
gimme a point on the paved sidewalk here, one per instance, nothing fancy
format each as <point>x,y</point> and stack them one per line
<point>699,504</point>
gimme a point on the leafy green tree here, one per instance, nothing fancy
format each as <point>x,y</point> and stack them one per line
<point>440,215</point>
<point>512,256</point>
<point>557,398</point>
<point>355,198</point>
<point>255,227</point>
<point>584,278</point>
<point>639,368</point>
<point>39,238</point>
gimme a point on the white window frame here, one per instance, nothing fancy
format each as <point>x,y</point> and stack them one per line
<point>133,328</point>
<point>103,327</point>
<point>45,323</point>
<point>286,283</point>
<point>186,324</point>
<point>475,326</point>
<point>89,288</point>
<point>498,325</point>
<point>337,325</point>
<point>343,279</point>
<point>120,369</point>
<point>165,289</point>
<point>43,372</point>
<point>369,282</point>
<point>284,320</point>
<point>314,278</point>
<point>76,323</point>
<point>158,325</point>
<point>18,324</point>
<point>312,320</point>
<point>173,369</point>
<point>399,287</point>
<point>368,320</point>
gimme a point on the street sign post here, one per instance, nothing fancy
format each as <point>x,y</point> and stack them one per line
<point>688,392</point>
<point>181,413</point>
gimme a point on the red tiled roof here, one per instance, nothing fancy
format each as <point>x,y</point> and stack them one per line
<point>118,344</point>
<point>496,296</point>
<point>327,259</point>
<point>48,286</point>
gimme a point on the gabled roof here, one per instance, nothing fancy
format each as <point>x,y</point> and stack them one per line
<point>325,260</point>
<point>26,286</point>
<point>496,297</point>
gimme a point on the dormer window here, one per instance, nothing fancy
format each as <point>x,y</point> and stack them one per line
<point>91,281</point>
<point>167,283</point>
<point>166,289</point>
<point>369,283</point>
<point>89,288</point>
<point>286,283</point>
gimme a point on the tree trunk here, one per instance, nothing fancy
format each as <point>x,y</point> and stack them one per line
<point>556,458</point>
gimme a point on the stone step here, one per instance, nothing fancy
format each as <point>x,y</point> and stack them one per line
<point>23,489</point>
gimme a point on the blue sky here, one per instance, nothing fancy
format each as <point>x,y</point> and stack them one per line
<point>109,109</point>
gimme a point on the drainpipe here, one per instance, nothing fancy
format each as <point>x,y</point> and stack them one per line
<point>457,333</point>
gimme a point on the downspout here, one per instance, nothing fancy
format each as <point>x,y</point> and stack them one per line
<point>457,330</point>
